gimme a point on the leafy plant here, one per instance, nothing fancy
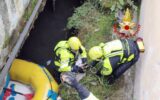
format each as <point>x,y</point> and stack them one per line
<point>92,24</point>
<point>80,16</point>
<point>120,4</point>
<point>114,6</point>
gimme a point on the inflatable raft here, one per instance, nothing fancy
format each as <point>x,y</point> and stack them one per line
<point>39,84</point>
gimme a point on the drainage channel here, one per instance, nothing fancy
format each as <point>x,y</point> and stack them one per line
<point>49,28</point>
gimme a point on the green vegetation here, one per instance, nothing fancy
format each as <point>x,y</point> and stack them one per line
<point>113,6</point>
<point>91,24</point>
<point>116,5</point>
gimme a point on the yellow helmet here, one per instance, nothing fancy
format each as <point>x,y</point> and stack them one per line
<point>140,44</point>
<point>95,53</point>
<point>74,43</point>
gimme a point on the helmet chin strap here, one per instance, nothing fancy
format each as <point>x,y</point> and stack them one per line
<point>75,52</point>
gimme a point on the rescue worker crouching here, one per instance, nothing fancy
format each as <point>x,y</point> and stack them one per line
<point>70,55</point>
<point>70,58</point>
<point>116,57</point>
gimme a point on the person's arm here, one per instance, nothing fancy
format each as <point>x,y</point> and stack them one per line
<point>83,92</point>
<point>64,67</point>
<point>124,67</point>
<point>120,70</point>
<point>94,63</point>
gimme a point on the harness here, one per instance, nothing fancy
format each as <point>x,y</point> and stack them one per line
<point>127,55</point>
<point>119,48</point>
<point>123,52</point>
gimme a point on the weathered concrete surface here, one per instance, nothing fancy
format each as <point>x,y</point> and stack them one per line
<point>124,87</point>
<point>11,12</point>
<point>147,82</point>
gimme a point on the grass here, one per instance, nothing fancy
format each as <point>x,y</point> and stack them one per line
<point>92,25</point>
<point>100,33</point>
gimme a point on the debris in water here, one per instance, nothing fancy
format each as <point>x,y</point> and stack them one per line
<point>48,62</point>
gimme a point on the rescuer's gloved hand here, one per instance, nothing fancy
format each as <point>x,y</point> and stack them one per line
<point>110,79</point>
<point>83,92</point>
<point>99,73</point>
<point>77,69</point>
<point>80,65</point>
<point>84,60</point>
<point>93,63</point>
<point>69,78</point>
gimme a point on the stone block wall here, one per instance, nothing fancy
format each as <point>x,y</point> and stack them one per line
<point>11,12</point>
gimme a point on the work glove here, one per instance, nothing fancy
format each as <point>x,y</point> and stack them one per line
<point>110,79</point>
<point>69,78</point>
<point>84,60</point>
<point>93,63</point>
<point>80,65</point>
<point>99,73</point>
<point>77,69</point>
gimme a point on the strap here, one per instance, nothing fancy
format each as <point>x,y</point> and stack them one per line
<point>128,56</point>
<point>126,50</point>
<point>114,54</point>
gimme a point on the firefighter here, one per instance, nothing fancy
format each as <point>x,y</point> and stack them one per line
<point>70,55</point>
<point>116,57</point>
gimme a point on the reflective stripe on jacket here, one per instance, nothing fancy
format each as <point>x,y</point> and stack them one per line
<point>63,57</point>
<point>65,60</point>
<point>118,49</point>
